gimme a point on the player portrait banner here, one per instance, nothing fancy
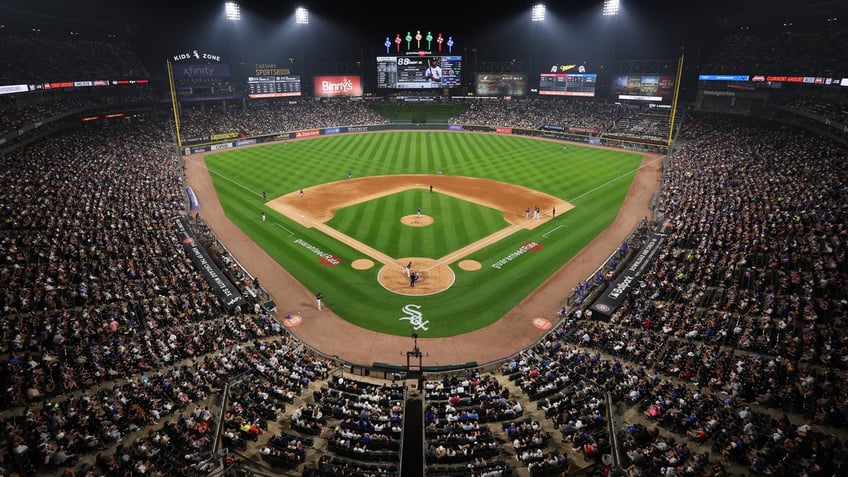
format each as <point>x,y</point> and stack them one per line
<point>221,285</point>
<point>628,279</point>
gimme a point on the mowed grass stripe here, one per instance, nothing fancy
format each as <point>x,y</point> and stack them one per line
<point>372,152</point>
<point>456,213</point>
<point>465,160</point>
<point>453,154</point>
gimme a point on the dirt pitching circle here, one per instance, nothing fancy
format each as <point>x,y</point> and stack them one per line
<point>470,265</point>
<point>417,220</point>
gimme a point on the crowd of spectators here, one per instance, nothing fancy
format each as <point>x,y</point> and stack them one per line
<point>107,327</point>
<point>364,423</point>
<point>829,108</point>
<point>17,112</point>
<point>640,125</point>
<point>257,118</point>
<point>535,113</point>
<point>813,52</point>
<point>33,59</point>
<point>747,299</point>
<point>459,411</point>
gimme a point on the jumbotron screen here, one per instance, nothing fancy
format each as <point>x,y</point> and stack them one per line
<point>273,86</point>
<point>653,88</point>
<point>501,84</point>
<point>419,72</point>
<point>568,84</point>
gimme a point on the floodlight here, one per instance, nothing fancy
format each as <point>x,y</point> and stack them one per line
<point>538,13</point>
<point>611,7</point>
<point>301,16</point>
<point>232,11</point>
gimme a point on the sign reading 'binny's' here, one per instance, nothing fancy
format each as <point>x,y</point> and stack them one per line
<point>328,86</point>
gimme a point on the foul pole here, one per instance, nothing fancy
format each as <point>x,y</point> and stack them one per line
<point>174,105</point>
<point>676,95</point>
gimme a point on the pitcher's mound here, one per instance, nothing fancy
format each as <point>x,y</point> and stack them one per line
<point>416,220</point>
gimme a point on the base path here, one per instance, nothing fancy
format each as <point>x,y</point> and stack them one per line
<point>332,335</point>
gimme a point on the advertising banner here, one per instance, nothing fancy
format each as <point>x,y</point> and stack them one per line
<point>331,86</point>
<point>221,285</point>
<point>628,279</point>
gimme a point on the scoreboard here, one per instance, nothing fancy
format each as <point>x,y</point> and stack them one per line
<point>644,88</point>
<point>409,72</point>
<point>501,84</point>
<point>568,84</point>
<point>273,86</point>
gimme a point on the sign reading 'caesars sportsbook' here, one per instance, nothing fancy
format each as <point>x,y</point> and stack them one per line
<point>328,86</point>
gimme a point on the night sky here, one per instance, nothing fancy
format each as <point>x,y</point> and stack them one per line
<point>354,31</point>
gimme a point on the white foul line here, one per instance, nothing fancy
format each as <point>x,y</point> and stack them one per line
<point>280,226</point>
<point>553,230</point>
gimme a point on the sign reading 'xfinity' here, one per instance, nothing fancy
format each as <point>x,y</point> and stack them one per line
<point>202,71</point>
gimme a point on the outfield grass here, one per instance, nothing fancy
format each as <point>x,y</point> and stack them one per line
<point>594,180</point>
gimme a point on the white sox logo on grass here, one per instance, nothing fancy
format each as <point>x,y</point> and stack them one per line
<point>415,317</point>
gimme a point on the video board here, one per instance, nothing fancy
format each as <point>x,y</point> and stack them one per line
<point>419,72</point>
<point>644,88</point>
<point>568,84</point>
<point>273,86</point>
<point>501,84</point>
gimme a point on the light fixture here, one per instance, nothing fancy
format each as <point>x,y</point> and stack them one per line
<point>610,7</point>
<point>538,13</point>
<point>301,16</point>
<point>232,11</point>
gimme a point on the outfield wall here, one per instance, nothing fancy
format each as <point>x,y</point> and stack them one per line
<point>617,142</point>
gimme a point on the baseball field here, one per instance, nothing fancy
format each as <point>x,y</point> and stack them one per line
<point>476,248</point>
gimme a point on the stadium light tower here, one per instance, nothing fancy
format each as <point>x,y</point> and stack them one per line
<point>301,16</point>
<point>537,14</point>
<point>611,7</point>
<point>232,11</point>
